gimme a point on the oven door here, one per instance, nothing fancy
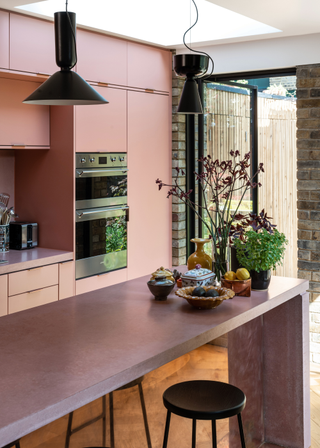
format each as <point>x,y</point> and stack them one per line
<point>101,240</point>
<point>100,187</point>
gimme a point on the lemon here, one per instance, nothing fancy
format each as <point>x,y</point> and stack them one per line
<point>242,274</point>
<point>230,275</point>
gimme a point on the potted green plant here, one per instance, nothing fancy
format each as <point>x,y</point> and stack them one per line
<point>260,252</point>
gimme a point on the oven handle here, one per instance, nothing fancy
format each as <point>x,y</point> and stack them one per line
<point>101,210</point>
<point>113,172</point>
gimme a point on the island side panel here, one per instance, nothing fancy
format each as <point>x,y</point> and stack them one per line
<point>287,375</point>
<point>245,362</point>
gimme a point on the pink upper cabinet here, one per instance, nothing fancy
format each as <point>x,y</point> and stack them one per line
<point>101,58</point>
<point>22,124</point>
<point>149,157</point>
<point>4,39</point>
<point>103,127</point>
<point>32,46</point>
<point>149,67</point>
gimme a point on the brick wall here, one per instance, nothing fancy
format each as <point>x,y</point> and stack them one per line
<point>308,174</point>
<point>178,160</point>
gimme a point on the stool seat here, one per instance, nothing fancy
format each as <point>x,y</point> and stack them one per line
<point>204,400</point>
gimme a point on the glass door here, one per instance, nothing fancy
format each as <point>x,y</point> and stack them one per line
<point>229,124</point>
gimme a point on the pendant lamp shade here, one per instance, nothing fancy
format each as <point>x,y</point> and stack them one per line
<point>65,87</point>
<point>190,102</point>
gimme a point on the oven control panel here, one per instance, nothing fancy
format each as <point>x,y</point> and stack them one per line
<point>101,160</point>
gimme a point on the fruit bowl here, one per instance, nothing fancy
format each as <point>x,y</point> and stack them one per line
<point>205,302</point>
<point>240,287</point>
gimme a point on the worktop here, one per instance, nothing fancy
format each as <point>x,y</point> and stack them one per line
<point>19,260</point>
<point>58,357</point>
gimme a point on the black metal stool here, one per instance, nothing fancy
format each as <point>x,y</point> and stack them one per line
<point>204,400</point>
<point>102,416</point>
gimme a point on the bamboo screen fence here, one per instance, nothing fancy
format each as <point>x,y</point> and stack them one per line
<point>228,127</point>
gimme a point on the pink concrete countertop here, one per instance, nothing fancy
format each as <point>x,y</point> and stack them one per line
<point>18,260</point>
<point>57,357</point>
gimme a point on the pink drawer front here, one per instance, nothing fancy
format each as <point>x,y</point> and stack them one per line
<point>31,279</point>
<point>31,299</point>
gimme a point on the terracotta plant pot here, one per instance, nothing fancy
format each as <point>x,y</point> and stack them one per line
<point>260,280</point>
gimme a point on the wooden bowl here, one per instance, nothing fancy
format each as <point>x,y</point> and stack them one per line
<point>205,302</point>
<point>239,287</point>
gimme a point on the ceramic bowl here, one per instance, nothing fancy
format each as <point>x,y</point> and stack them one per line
<point>205,302</point>
<point>240,287</point>
<point>160,292</point>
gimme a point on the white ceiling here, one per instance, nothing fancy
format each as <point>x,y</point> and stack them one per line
<point>163,23</point>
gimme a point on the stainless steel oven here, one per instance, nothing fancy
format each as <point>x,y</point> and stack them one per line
<point>101,179</point>
<point>101,213</point>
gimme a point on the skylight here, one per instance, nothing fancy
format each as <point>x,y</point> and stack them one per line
<point>161,22</point>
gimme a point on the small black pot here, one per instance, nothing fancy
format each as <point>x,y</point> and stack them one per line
<point>260,280</point>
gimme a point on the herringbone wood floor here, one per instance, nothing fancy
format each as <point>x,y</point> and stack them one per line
<point>207,362</point>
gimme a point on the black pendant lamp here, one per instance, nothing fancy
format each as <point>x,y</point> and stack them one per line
<point>65,87</point>
<point>191,67</point>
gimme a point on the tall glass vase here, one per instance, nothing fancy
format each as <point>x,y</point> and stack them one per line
<point>221,261</point>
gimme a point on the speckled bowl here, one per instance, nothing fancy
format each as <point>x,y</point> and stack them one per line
<point>205,302</point>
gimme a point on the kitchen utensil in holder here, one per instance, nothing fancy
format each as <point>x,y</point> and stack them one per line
<point>4,238</point>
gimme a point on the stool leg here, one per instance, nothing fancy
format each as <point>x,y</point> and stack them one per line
<point>111,420</point>
<point>104,411</point>
<point>214,434</point>
<point>166,431</point>
<point>194,433</point>
<point>243,443</point>
<point>144,412</point>
<point>69,430</point>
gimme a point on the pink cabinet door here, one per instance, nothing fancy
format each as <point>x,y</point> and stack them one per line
<point>3,295</point>
<point>101,58</point>
<point>149,157</point>
<point>32,47</point>
<point>22,124</point>
<point>66,280</point>
<point>102,127</point>
<point>100,281</point>
<point>4,39</point>
<point>149,68</point>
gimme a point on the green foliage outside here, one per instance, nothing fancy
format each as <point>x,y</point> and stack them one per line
<point>261,250</point>
<point>116,235</point>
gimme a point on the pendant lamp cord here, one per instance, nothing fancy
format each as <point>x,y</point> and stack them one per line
<point>73,34</point>
<point>202,52</point>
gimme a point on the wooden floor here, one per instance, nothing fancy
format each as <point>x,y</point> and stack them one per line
<point>129,429</point>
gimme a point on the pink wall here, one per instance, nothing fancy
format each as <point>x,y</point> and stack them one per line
<point>7,174</point>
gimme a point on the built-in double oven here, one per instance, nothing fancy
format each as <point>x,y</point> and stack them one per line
<point>102,213</point>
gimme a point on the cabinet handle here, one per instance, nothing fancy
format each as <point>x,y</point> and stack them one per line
<point>149,90</point>
<point>35,290</point>
<point>103,84</point>
<point>18,145</point>
<point>35,269</point>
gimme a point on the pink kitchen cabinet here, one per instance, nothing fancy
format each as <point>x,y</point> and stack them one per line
<point>32,279</point>
<point>149,67</point>
<point>149,158</point>
<point>32,47</point>
<point>101,281</point>
<point>66,280</point>
<point>3,295</point>
<point>102,127</point>
<point>4,39</point>
<point>101,58</point>
<point>22,125</point>
<point>31,299</point>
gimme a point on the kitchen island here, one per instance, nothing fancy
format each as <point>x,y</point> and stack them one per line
<point>58,357</point>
